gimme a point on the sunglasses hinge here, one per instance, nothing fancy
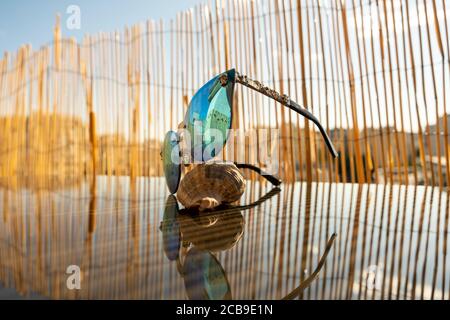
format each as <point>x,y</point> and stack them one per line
<point>223,79</point>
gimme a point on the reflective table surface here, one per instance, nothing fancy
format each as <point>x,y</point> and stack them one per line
<point>131,240</point>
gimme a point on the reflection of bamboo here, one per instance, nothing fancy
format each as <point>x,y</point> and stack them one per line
<point>386,249</point>
<point>118,239</point>
<point>437,247</point>
<point>256,259</point>
<point>354,243</point>
<point>320,213</point>
<point>306,231</point>
<point>401,245</point>
<point>92,213</point>
<point>343,261</point>
<point>282,250</point>
<point>313,233</point>
<point>419,242</point>
<point>444,247</point>
<point>424,265</point>
<point>290,244</point>
<point>386,189</point>
<point>410,247</point>
<point>326,231</point>
<point>364,241</point>
<point>272,260</point>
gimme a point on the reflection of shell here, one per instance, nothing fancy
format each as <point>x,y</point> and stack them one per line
<point>213,232</point>
<point>211,184</point>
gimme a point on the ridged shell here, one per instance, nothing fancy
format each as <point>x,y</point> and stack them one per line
<point>210,184</point>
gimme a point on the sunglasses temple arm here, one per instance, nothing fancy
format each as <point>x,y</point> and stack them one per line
<point>308,115</point>
<point>267,196</point>
<point>286,101</point>
<point>274,180</point>
<point>305,284</point>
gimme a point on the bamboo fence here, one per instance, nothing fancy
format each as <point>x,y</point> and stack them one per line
<point>376,73</point>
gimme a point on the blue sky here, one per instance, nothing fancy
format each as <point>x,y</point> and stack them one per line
<point>31,21</point>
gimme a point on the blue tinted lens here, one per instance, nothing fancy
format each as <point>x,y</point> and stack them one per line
<point>171,161</point>
<point>208,118</point>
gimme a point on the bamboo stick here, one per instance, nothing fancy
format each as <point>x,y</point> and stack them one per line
<point>315,157</point>
<point>343,105</point>
<point>446,133</point>
<point>425,102</point>
<point>413,146</point>
<point>285,151</point>
<point>436,96</point>
<point>304,93</point>
<point>397,146</point>
<point>359,165</point>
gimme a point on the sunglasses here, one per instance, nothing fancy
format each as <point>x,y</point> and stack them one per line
<point>209,116</point>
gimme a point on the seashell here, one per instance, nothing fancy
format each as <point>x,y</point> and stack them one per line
<point>209,185</point>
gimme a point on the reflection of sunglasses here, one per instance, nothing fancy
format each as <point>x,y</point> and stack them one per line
<point>209,115</point>
<point>203,275</point>
<point>170,225</point>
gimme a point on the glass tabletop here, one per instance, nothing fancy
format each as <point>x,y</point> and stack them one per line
<point>131,240</point>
